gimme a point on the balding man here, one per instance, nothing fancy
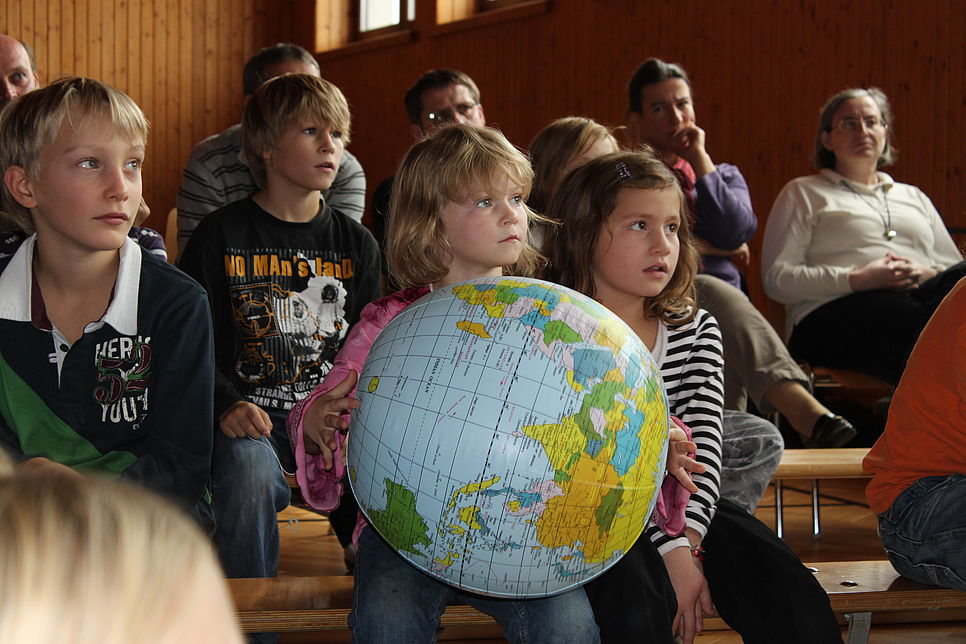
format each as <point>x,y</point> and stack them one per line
<point>18,69</point>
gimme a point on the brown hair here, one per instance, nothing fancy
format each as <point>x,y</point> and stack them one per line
<point>435,79</point>
<point>554,147</point>
<point>280,101</point>
<point>584,204</point>
<point>446,166</point>
<point>651,71</point>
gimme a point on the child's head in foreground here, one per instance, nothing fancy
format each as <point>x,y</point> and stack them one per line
<point>97,562</point>
<point>71,154</point>
<point>296,126</point>
<point>624,233</point>
<point>560,147</point>
<point>456,191</point>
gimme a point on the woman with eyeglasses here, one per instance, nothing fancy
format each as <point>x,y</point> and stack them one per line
<point>859,260</point>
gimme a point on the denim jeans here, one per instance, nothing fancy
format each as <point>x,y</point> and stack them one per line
<point>248,490</point>
<point>751,452</point>
<point>924,531</point>
<point>395,602</point>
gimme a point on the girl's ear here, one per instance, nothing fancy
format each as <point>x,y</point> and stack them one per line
<point>20,186</point>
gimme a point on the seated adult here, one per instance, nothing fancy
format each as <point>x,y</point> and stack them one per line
<point>859,260</point>
<point>18,71</point>
<point>438,97</point>
<point>752,445</point>
<point>757,364</point>
<point>217,172</point>
<point>918,465</point>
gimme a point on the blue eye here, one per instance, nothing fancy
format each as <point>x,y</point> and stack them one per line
<point>484,203</point>
<point>309,130</point>
<point>88,164</point>
<point>337,135</point>
<point>516,200</point>
<point>134,165</point>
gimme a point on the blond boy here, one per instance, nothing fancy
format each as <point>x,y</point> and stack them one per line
<point>97,370</point>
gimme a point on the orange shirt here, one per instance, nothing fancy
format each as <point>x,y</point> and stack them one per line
<point>926,431</point>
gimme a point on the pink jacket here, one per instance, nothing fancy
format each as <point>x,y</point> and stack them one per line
<point>322,488</point>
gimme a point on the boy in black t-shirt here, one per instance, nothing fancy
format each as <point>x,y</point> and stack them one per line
<point>286,280</point>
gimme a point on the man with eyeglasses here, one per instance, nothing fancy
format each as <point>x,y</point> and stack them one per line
<point>438,97</point>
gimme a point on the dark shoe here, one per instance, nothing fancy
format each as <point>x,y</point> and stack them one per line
<point>829,431</point>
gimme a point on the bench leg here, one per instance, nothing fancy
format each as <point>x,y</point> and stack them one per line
<point>779,509</point>
<point>859,625</point>
<point>816,520</point>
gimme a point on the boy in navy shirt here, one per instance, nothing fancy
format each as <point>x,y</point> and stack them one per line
<point>105,351</point>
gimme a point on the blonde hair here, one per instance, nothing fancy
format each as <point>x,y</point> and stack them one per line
<point>31,122</point>
<point>280,101</point>
<point>446,166</point>
<point>583,206</point>
<point>554,147</point>
<point>89,561</point>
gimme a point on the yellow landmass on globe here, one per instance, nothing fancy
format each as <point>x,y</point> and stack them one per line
<point>560,440</point>
<point>456,529</point>
<point>513,506</point>
<point>373,384</point>
<point>475,297</point>
<point>473,327</point>
<point>571,518</point>
<point>471,488</point>
<point>468,516</point>
<point>448,561</point>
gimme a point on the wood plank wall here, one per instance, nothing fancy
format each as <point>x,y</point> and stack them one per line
<point>180,60</point>
<point>761,69</point>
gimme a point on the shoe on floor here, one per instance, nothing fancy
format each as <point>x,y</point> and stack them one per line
<point>829,431</point>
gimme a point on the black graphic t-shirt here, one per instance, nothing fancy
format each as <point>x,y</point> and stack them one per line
<point>283,296</point>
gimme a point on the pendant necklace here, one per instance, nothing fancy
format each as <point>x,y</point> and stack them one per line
<point>889,232</point>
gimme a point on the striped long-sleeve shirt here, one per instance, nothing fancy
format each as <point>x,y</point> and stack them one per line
<point>216,175</point>
<point>691,363</point>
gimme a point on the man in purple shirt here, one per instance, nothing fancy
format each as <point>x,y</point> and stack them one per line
<point>757,364</point>
<point>661,114</point>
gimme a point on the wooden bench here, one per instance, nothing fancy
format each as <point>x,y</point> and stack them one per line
<point>857,590</point>
<point>815,464</point>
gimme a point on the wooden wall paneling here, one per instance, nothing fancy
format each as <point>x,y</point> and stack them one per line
<point>761,68</point>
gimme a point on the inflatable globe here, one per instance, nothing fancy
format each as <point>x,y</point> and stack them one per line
<point>511,436</point>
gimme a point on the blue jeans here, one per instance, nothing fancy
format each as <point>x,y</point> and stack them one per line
<point>924,531</point>
<point>248,490</point>
<point>395,602</point>
<point>750,455</point>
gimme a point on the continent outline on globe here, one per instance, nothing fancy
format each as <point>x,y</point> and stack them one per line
<point>511,436</point>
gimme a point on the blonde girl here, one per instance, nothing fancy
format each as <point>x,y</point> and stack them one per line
<point>624,240</point>
<point>457,213</point>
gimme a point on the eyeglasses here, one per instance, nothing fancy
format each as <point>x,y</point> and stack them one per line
<point>449,114</point>
<point>854,125</point>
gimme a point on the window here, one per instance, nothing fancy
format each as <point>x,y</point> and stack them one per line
<point>379,16</point>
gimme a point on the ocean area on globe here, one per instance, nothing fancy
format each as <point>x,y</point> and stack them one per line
<point>511,436</point>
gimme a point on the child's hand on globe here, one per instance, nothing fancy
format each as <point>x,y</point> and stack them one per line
<point>679,462</point>
<point>323,420</point>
